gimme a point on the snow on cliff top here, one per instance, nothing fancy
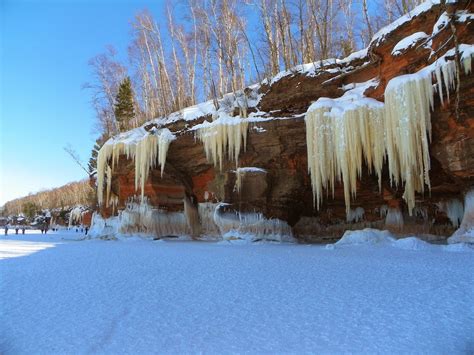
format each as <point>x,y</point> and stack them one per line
<point>228,102</point>
<point>135,135</point>
<point>315,68</point>
<point>420,9</point>
<point>309,69</point>
<point>408,42</point>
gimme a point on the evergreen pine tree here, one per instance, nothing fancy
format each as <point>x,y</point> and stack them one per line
<point>124,110</point>
<point>92,164</point>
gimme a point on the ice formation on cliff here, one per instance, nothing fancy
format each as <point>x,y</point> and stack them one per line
<point>141,218</point>
<point>408,100</point>
<point>465,233</point>
<point>147,149</point>
<point>394,218</point>
<point>421,212</point>
<point>191,213</point>
<point>355,215</point>
<point>345,132</point>
<point>222,137</point>
<point>206,216</point>
<point>75,216</point>
<point>240,175</point>
<point>251,226</point>
<point>342,134</point>
<point>454,209</point>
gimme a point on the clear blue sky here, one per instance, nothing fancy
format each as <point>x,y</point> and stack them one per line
<point>45,46</point>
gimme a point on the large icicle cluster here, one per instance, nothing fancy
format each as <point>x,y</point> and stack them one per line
<point>408,99</point>
<point>147,149</point>
<point>344,133</point>
<point>224,136</point>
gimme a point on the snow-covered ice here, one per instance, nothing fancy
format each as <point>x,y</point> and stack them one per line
<point>60,294</point>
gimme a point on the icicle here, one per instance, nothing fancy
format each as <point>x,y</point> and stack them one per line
<point>75,216</point>
<point>440,84</point>
<point>383,210</point>
<point>454,209</point>
<point>467,64</point>
<point>192,217</point>
<point>240,174</point>
<point>355,215</point>
<point>114,200</point>
<point>206,216</point>
<point>341,134</point>
<point>394,218</point>
<point>109,184</point>
<point>224,136</point>
<point>145,148</point>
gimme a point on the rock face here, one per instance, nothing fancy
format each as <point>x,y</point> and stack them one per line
<point>278,146</point>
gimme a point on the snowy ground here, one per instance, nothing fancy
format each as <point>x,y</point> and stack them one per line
<point>58,295</point>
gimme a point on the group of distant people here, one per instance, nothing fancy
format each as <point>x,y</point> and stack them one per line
<point>43,229</point>
<point>86,229</point>
<point>16,230</point>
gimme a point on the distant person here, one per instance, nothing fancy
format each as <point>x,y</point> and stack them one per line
<point>87,230</point>
<point>45,230</point>
<point>23,230</point>
<point>16,230</point>
<point>6,230</point>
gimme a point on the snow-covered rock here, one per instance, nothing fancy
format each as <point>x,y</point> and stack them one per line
<point>412,243</point>
<point>365,236</point>
<point>459,247</point>
<point>408,42</point>
<point>105,228</point>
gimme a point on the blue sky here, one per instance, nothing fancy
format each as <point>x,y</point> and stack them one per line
<point>45,47</point>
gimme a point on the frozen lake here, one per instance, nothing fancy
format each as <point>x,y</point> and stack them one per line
<point>61,295</point>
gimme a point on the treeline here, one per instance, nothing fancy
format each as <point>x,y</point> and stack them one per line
<point>67,196</point>
<point>202,49</point>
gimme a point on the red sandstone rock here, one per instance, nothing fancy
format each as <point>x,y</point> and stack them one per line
<point>285,192</point>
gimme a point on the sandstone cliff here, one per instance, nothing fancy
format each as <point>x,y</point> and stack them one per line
<point>267,190</point>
